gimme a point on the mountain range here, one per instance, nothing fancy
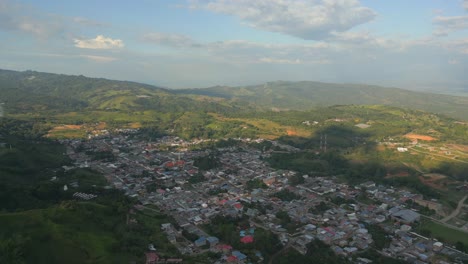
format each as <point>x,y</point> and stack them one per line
<point>29,91</point>
<point>282,95</point>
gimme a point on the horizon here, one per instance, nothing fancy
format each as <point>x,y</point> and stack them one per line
<point>186,44</point>
<point>248,85</point>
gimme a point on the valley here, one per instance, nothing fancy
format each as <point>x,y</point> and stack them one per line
<point>203,176</point>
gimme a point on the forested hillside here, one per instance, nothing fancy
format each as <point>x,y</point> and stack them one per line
<point>306,95</point>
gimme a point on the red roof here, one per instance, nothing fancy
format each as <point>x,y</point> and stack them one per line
<point>231,259</point>
<point>223,246</point>
<point>247,239</point>
<point>238,205</point>
<point>151,257</point>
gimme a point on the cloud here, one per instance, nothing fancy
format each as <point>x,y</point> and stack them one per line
<point>465,4</point>
<point>87,22</point>
<point>306,19</point>
<point>447,24</point>
<point>15,17</point>
<point>280,61</point>
<point>292,61</point>
<point>459,45</point>
<point>172,40</point>
<point>453,62</point>
<point>243,51</point>
<point>98,58</point>
<point>100,42</point>
<point>26,19</point>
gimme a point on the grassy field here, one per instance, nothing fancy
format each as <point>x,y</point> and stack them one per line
<point>268,129</point>
<point>444,233</point>
<point>62,235</point>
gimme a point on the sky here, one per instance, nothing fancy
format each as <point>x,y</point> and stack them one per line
<point>413,44</point>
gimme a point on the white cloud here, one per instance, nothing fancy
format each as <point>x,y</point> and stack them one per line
<point>98,58</point>
<point>292,61</point>
<point>465,4</point>
<point>459,45</point>
<point>100,42</point>
<point>87,22</point>
<point>16,17</point>
<point>448,24</point>
<point>173,40</point>
<point>306,19</point>
<point>280,61</point>
<point>23,18</point>
<point>244,51</point>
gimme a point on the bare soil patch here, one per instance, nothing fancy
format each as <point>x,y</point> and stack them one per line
<point>421,137</point>
<point>433,180</point>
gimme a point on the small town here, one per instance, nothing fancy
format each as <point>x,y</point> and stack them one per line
<point>298,208</point>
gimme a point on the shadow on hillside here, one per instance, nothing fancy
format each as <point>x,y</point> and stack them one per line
<point>332,138</point>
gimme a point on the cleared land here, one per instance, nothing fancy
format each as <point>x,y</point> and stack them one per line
<point>420,137</point>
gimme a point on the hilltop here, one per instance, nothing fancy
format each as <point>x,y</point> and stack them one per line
<point>282,95</point>
<point>31,91</point>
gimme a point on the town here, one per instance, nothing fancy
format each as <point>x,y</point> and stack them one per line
<point>163,175</point>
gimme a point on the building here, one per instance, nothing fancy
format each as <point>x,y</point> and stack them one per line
<point>200,242</point>
<point>406,216</point>
<point>152,258</point>
<point>239,256</point>
<point>212,241</point>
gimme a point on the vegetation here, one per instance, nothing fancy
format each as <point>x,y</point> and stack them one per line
<point>208,162</point>
<point>317,252</point>
<point>443,233</point>
<point>256,184</point>
<point>197,178</point>
<point>287,195</point>
<point>321,208</point>
<point>38,216</point>
<point>227,229</point>
<point>379,236</point>
<point>41,223</point>
<point>304,95</point>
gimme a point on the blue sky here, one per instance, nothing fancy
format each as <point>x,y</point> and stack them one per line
<point>417,44</point>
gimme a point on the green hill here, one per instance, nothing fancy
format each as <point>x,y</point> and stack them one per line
<point>306,95</point>
<point>30,91</point>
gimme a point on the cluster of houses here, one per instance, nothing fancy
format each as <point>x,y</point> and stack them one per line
<point>160,174</point>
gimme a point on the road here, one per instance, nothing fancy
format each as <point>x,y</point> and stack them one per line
<point>456,211</point>
<point>437,155</point>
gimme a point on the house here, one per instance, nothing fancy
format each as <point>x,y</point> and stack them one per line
<point>239,255</point>
<point>152,258</point>
<point>251,212</point>
<point>200,242</point>
<point>372,190</point>
<point>350,250</point>
<point>224,248</point>
<point>368,184</point>
<point>212,241</point>
<point>165,226</point>
<point>247,239</point>
<point>437,246</point>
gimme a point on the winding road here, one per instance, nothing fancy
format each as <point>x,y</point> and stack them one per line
<point>456,211</point>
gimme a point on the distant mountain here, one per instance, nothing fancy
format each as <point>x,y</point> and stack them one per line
<point>306,95</point>
<point>30,91</point>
